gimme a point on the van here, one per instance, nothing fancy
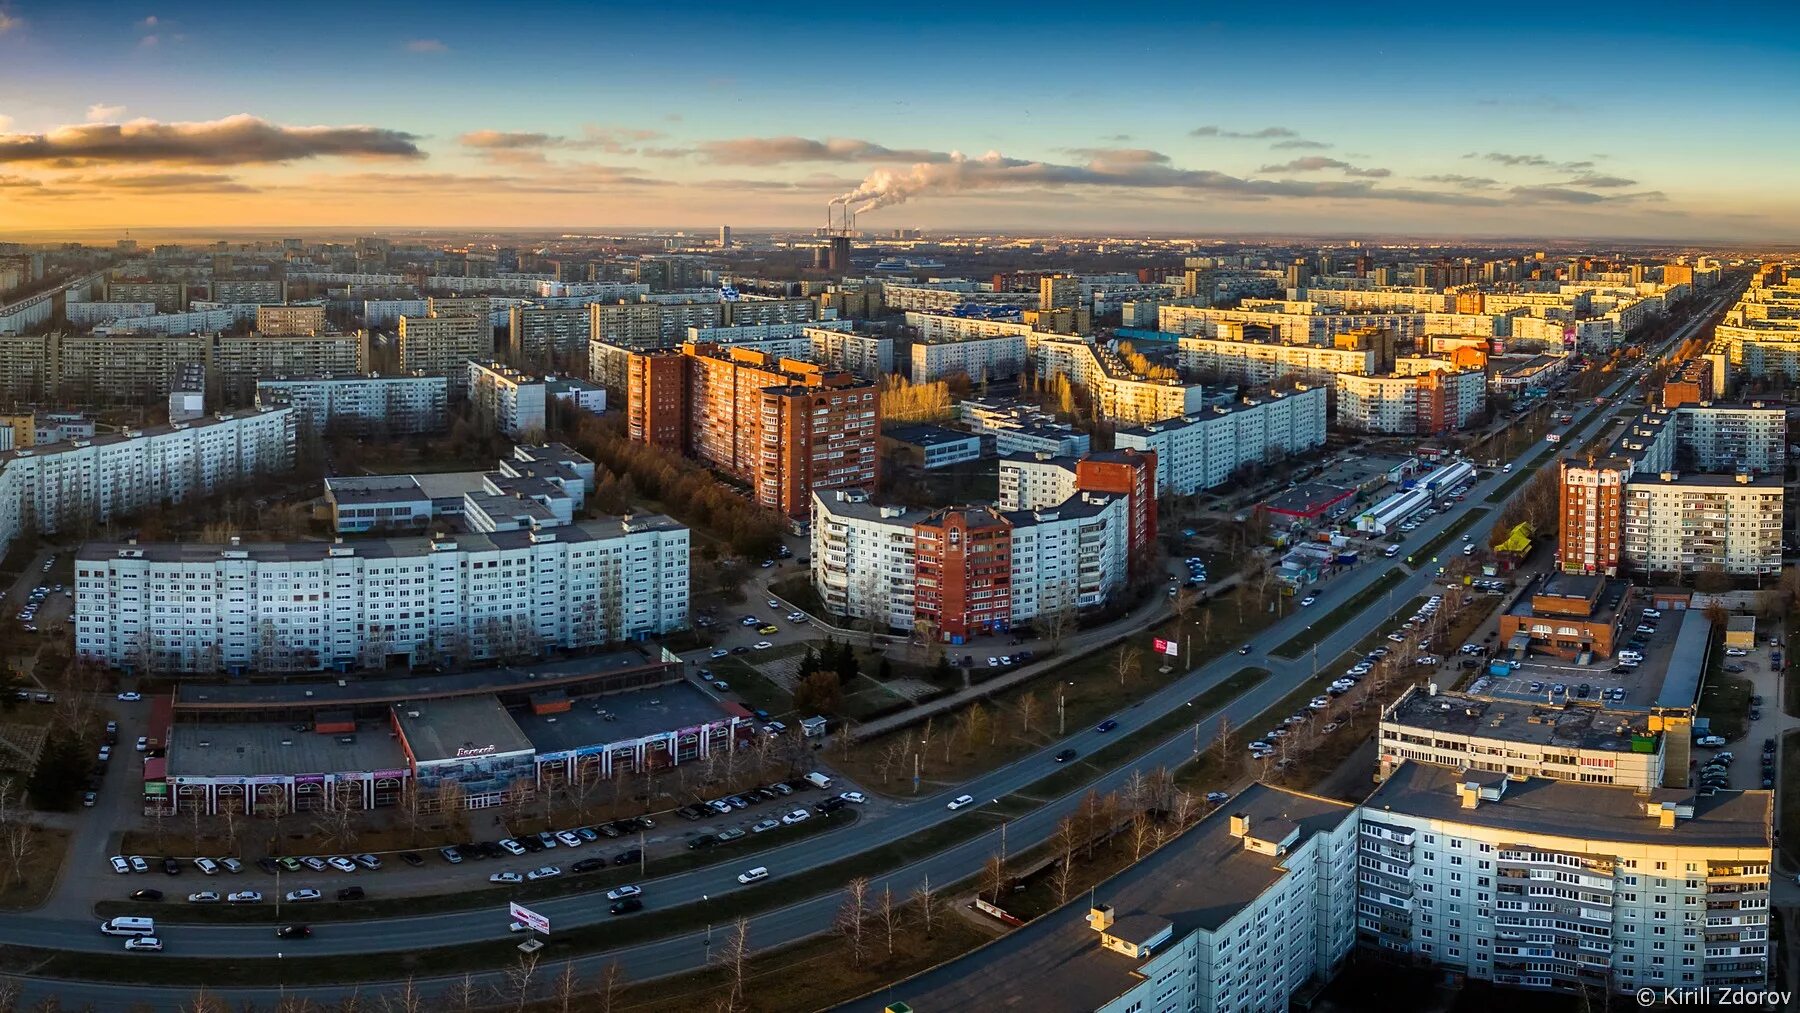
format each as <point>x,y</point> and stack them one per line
<point>818,780</point>
<point>755,875</point>
<point>126,925</point>
<point>1392,551</point>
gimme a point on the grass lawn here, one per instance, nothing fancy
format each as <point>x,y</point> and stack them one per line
<point>1428,552</point>
<point>26,889</point>
<point>1303,641</point>
<point>1726,702</point>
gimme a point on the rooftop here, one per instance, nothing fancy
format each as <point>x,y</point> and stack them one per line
<point>221,748</point>
<point>928,436</point>
<point>1196,882</point>
<point>458,728</point>
<point>1687,662</point>
<point>1590,812</point>
<point>1519,721</point>
<point>620,717</point>
<point>1307,499</point>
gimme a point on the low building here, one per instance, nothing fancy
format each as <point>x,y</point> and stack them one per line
<point>1016,428</point>
<point>544,485</point>
<point>1569,616</point>
<point>932,446</point>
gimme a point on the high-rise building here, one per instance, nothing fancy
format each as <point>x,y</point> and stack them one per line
<point>441,345</point>
<point>290,319</point>
<point>724,237</point>
<point>361,402</point>
<point>782,426</point>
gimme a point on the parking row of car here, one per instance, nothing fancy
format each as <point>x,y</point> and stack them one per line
<point>729,804</point>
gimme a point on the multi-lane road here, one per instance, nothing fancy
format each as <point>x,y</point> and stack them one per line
<point>680,953</point>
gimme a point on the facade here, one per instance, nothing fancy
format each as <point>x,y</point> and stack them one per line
<point>237,362</point>
<point>441,345</point>
<point>400,405</point>
<point>1203,450</point>
<point>289,319</point>
<point>1568,616</point>
<point>515,401</point>
<point>978,358</point>
<point>1686,524</point>
<point>933,446</point>
<point>782,426</point>
<point>1729,437</point>
<point>1263,363</point>
<point>1423,403</point>
<point>61,486</point>
<point>651,325</point>
<point>1022,429</point>
<point>1117,392</point>
<point>1560,885</point>
<point>309,606</point>
<point>536,333</point>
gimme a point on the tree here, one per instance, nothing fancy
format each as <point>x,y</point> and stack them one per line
<point>852,917</point>
<point>1717,615</point>
<point>889,917</point>
<point>926,903</point>
<point>1029,707</point>
<point>1063,845</point>
<point>993,878</point>
<point>58,774</point>
<point>613,974</point>
<point>518,979</point>
<point>1128,663</point>
<point>734,957</point>
<point>406,1000</point>
<point>819,693</point>
<point>976,724</point>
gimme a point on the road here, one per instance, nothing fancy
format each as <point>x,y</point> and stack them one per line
<point>677,954</point>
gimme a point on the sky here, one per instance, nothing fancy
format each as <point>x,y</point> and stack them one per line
<point>1650,121</point>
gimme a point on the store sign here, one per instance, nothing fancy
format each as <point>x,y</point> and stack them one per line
<point>531,919</point>
<point>464,752</point>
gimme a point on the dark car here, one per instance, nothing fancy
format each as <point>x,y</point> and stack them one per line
<point>293,932</point>
<point>267,865</point>
<point>1106,726</point>
<point>690,812</point>
<point>626,905</point>
<point>1065,756</point>
<point>1244,649</point>
<point>703,841</point>
<point>588,865</point>
<point>1582,691</point>
<point>531,844</point>
<point>628,857</point>
<point>351,893</point>
<point>172,867</point>
<point>740,649</point>
<point>473,849</point>
<point>831,805</point>
<point>412,858</point>
<point>491,849</point>
<point>146,894</point>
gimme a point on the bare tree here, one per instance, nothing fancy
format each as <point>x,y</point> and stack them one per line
<point>852,917</point>
<point>891,756</point>
<point>406,1000</point>
<point>1029,708</point>
<point>461,996</point>
<point>884,910</point>
<point>10,991</point>
<point>205,1002</point>
<point>17,836</point>
<point>734,957</point>
<point>609,986</point>
<point>1067,836</point>
<point>1128,663</point>
<point>926,902</point>
<point>993,878</point>
<point>1143,830</point>
<point>518,979</point>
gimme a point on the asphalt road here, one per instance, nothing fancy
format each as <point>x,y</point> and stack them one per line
<point>677,954</point>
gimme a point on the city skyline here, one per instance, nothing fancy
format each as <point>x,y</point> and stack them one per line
<point>457,116</point>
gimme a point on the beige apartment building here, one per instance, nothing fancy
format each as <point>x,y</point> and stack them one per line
<point>286,320</point>
<point>237,362</point>
<point>443,345</point>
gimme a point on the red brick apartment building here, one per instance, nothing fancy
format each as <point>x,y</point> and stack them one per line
<point>782,426</point>
<point>1132,474</point>
<point>962,571</point>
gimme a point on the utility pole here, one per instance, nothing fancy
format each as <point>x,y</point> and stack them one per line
<point>1061,715</point>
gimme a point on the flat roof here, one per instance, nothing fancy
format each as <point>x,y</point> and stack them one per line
<point>229,748</point>
<point>1687,662</point>
<point>1197,881</point>
<point>447,484</point>
<point>1570,585</point>
<point>449,728</point>
<point>326,693</point>
<point>1591,812</point>
<point>929,436</point>
<point>620,717</point>
<point>1307,499</point>
<point>1520,721</point>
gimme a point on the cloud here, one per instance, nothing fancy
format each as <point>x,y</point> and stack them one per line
<point>1534,103</point>
<point>1565,195</point>
<point>6,123</point>
<point>147,24</point>
<point>1299,145</point>
<point>149,42</point>
<point>11,182</point>
<point>780,150</point>
<point>1116,138</point>
<point>1120,156</point>
<point>1265,133</point>
<point>426,46</point>
<point>996,172</point>
<point>8,22</point>
<point>1594,182</point>
<point>522,148</point>
<point>504,140</point>
<point>234,140</point>
<point>570,179</point>
<point>1466,182</point>
<point>1530,161</point>
<point>191,182</point>
<point>100,113</point>
<point>1318,163</point>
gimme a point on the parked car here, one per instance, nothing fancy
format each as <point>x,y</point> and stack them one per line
<point>308,893</point>
<point>244,897</point>
<point>543,872</point>
<point>506,877</point>
<point>961,800</point>
<point>351,893</point>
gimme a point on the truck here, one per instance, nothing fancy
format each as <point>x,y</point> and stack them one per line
<point>1553,438</point>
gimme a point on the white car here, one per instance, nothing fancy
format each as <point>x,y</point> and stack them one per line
<point>119,864</point>
<point>139,865</point>
<point>130,697</point>
<point>854,797</point>
<point>143,743</point>
<point>511,846</point>
<point>245,897</point>
<point>622,892</point>
<point>543,872</point>
<point>1710,741</point>
<point>1319,703</point>
<point>961,800</point>
<point>150,943</point>
<point>570,839</point>
<point>207,866</point>
<point>762,645</point>
<point>797,816</point>
<point>796,617</point>
<point>295,896</point>
<point>1218,797</point>
<point>203,897</point>
<point>719,652</point>
<point>1736,652</point>
<point>506,877</point>
<point>367,861</point>
<point>341,863</point>
<point>774,604</point>
<point>765,826</point>
<point>1309,599</point>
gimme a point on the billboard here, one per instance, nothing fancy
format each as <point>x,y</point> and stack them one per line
<point>529,918</point>
<point>1167,647</point>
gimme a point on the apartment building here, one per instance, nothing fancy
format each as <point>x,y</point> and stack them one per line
<point>1263,363</point>
<point>1678,523</point>
<point>1284,322</point>
<point>125,368</point>
<point>62,486</point>
<point>287,320</point>
<point>1022,429</point>
<point>309,606</point>
<point>272,291</point>
<point>1726,436</point>
<point>441,345</point>
<point>1561,885</point>
<point>537,333</point>
<point>943,327</point>
<point>1116,390</point>
<point>1204,449</point>
<point>948,296</point>
<point>830,343</point>
<point>238,362</point>
<point>652,325</point>
<point>1071,555</point>
<point>782,426</point>
<point>514,400</point>
<point>1422,403</point>
<point>1521,738</point>
<point>1250,906</point>
<point>979,358</point>
<point>361,403</point>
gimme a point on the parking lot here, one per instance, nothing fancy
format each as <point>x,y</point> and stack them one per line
<point>1619,686</point>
